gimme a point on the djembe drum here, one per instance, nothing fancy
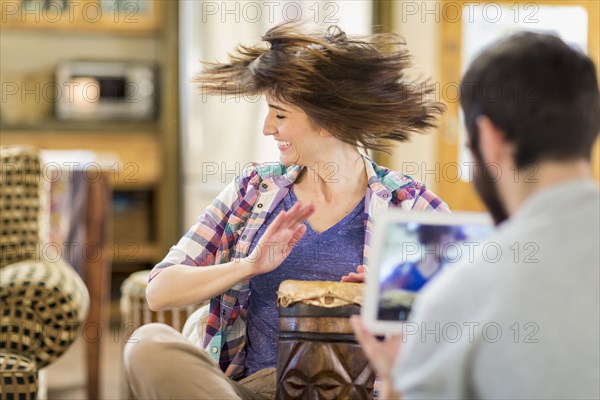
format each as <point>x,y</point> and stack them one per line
<point>318,356</point>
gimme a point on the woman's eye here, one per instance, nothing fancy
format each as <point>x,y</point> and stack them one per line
<point>279,116</point>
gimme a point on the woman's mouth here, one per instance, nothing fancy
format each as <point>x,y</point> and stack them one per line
<point>283,145</point>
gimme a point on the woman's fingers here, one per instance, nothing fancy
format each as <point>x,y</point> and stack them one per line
<point>353,277</point>
<point>292,212</point>
<point>300,212</point>
<point>294,216</point>
<point>287,228</point>
<point>359,276</point>
<point>279,221</point>
<point>300,231</point>
<point>289,246</point>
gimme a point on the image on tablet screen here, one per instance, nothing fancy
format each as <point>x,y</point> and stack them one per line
<point>414,253</point>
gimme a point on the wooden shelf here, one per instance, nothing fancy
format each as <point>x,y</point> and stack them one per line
<point>137,160</point>
<point>54,125</point>
<point>134,16</point>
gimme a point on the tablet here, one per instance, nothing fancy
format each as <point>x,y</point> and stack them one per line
<point>408,250</point>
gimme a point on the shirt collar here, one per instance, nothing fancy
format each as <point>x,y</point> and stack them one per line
<point>378,178</point>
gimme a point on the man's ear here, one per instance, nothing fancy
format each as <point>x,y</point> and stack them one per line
<point>491,140</point>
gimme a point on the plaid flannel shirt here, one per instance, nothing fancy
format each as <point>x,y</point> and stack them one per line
<point>228,226</point>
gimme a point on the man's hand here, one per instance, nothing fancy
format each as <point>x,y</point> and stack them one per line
<point>279,239</point>
<point>381,354</point>
<point>358,276</point>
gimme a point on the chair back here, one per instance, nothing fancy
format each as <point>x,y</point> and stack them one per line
<point>23,204</point>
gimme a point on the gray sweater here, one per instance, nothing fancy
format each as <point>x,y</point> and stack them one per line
<point>523,319</point>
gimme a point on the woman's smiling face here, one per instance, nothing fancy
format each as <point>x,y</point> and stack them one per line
<point>299,140</point>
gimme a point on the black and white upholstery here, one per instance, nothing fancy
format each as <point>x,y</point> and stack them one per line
<point>43,300</point>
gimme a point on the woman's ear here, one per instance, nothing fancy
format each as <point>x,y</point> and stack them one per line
<point>324,132</point>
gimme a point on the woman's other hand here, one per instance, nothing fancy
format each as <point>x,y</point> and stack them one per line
<point>279,239</point>
<point>359,276</point>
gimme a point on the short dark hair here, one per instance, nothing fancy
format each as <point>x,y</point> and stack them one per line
<point>540,92</point>
<point>353,86</point>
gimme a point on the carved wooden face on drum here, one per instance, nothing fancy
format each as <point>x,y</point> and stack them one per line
<point>323,370</point>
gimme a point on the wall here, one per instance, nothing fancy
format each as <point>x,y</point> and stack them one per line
<point>419,155</point>
<point>220,137</point>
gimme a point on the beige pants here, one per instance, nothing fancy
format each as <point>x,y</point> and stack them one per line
<point>162,364</point>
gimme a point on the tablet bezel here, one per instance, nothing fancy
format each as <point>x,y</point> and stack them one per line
<point>380,222</point>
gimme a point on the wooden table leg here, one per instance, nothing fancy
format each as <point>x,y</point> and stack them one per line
<point>97,271</point>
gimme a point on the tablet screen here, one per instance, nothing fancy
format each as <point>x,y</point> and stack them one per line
<point>413,253</point>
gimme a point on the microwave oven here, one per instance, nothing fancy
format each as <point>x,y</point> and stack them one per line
<point>106,90</point>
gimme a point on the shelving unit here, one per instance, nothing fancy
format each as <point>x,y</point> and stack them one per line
<point>134,16</point>
<point>144,155</point>
<point>141,159</point>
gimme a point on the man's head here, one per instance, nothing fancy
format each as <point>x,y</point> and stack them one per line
<point>541,96</point>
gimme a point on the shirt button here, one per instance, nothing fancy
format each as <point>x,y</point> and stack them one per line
<point>264,185</point>
<point>243,237</point>
<point>259,206</point>
<point>215,349</point>
<point>385,196</point>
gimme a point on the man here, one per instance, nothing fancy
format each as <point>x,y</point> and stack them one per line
<point>523,323</point>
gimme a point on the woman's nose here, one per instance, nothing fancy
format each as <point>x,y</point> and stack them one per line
<point>268,127</point>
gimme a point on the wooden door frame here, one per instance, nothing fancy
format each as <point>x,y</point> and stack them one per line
<point>460,195</point>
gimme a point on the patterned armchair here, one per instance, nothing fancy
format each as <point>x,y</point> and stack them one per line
<point>43,300</point>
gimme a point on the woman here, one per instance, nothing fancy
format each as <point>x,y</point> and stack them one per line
<point>308,217</point>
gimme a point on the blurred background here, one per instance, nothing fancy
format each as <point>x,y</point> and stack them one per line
<point>105,86</point>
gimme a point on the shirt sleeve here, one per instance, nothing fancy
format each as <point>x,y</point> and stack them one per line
<point>437,349</point>
<point>199,245</point>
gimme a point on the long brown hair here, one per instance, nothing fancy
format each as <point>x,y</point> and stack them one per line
<point>353,86</point>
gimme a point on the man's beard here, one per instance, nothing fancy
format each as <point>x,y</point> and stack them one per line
<point>487,190</point>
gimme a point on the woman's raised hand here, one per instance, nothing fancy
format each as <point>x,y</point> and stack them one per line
<point>279,239</point>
